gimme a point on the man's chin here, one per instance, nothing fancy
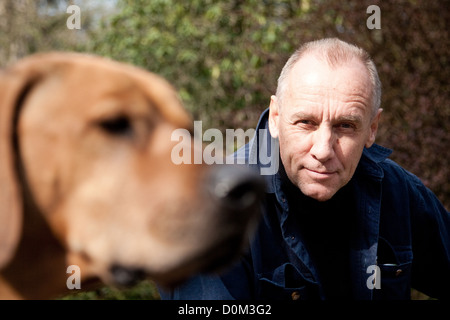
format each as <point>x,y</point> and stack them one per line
<point>319,193</point>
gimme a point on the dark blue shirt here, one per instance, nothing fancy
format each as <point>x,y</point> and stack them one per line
<point>380,235</point>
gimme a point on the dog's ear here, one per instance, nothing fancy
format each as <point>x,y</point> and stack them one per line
<point>15,83</point>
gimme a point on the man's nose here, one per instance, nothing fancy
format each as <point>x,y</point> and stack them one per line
<point>323,144</point>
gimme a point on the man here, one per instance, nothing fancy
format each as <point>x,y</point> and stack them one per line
<point>340,221</point>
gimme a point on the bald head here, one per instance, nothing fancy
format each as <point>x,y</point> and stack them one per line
<point>334,53</point>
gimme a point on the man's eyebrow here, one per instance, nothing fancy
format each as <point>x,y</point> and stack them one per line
<point>302,115</point>
<point>350,118</point>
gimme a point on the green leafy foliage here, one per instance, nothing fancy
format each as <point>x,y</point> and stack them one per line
<point>145,290</point>
<point>218,54</point>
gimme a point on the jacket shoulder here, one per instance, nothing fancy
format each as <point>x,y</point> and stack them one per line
<point>396,174</point>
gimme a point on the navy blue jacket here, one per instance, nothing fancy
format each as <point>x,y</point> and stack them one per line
<point>400,238</point>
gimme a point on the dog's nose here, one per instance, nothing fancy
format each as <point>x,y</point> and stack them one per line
<point>237,186</point>
<point>126,276</point>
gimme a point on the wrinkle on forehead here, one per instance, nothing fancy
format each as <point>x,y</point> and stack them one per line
<point>313,84</point>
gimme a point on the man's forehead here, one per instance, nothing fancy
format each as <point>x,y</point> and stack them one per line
<point>311,75</point>
<point>310,68</point>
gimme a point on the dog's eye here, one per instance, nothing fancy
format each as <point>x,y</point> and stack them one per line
<point>118,125</point>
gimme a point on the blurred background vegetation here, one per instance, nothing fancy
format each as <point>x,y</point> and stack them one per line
<point>224,57</point>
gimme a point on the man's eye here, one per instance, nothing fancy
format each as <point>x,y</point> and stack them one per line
<point>346,126</point>
<point>304,122</point>
<point>120,125</point>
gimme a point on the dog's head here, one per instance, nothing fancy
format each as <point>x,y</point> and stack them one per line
<point>86,142</point>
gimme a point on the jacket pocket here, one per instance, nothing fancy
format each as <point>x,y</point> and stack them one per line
<point>285,283</point>
<point>395,263</point>
<point>395,282</point>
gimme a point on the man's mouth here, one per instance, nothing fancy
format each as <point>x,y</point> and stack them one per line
<point>321,174</point>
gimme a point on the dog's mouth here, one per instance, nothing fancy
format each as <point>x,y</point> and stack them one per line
<point>213,259</point>
<point>126,276</point>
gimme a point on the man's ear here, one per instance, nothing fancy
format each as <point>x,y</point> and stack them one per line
<point>373,129</point>
<point>274,116</point>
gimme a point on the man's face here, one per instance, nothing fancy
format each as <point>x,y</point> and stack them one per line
<point>323,124</point>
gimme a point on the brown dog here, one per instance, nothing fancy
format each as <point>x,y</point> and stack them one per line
<point>86,179</point>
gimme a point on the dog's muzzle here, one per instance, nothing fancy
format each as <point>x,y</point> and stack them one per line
<point>235,193</point>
